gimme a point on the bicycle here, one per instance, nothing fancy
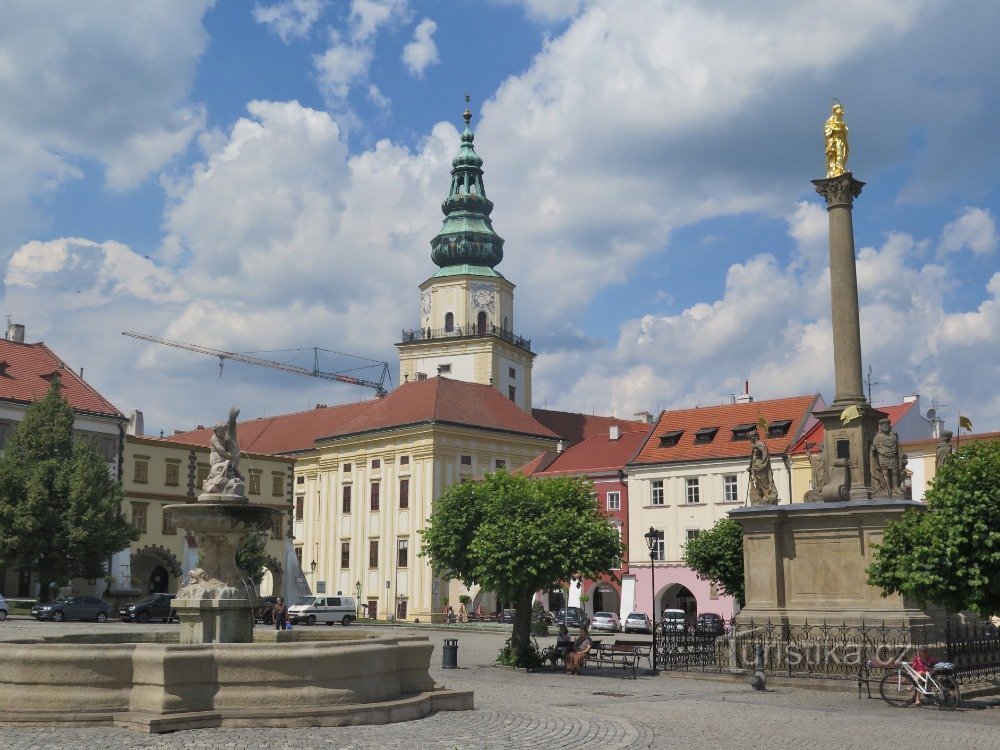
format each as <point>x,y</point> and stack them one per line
<point>901,687</point>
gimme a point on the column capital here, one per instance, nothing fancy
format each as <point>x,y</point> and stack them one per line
<point>840,190</point>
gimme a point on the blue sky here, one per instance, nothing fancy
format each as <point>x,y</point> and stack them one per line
<point>262,176</point>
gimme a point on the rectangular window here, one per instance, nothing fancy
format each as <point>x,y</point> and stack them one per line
<point>277,485</point>
<point>254,483</point>
<point>730,490</point>
<point>347,468</point>
<point>300,507</point>
<point>300,480</point>
<point>404,460</point>
<point>276,527</point>
<point>375,497</point>
<point>139,517</point>
<point>298,555</point>
<point>376,463</point>
<point>345,555</point>
<point>512,373</point>
<point>168,523</point>
<point>345,501</point>
<point>444,369</point>
<point>500,464</point>
<point>173,478</point>
<point>404,493</point>
<point>140,474</point>
<point>614,501</point>
<point>657,491</point>
<point>660,550</point>
<point>402,552</point>
<point>373,553</point>
<point>693,490</point>
<point>511,393</point>
<point>692,533</point>
<point>466,460</point>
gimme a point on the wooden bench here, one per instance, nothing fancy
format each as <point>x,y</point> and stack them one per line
<point>624,655</point>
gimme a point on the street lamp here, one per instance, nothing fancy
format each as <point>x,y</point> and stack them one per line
<point>357,601</point>
<point>312,566</point>
<point>653,537</point>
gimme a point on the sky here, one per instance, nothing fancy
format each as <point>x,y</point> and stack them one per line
<point>267,176</point>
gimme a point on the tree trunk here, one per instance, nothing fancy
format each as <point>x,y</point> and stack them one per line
<point>521,635</point>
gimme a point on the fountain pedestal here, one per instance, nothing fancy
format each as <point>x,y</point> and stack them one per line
<point>212,605</point>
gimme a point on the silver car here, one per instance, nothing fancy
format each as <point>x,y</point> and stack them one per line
<point>3,608</point>
<point>638,622</point>
<point>607,621</point>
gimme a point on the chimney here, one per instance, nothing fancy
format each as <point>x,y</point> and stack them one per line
<point>614,432</point>
<point>15,333</point>
<point>643,416</point>
<point>420,376</point>
<point>745,397</point>
<point>913,398</point>
<point>135,426</point>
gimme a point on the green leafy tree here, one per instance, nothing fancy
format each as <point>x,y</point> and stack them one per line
<point>60,509</point>
<point>514,536</point>
<point>251,556</point>
<point>716,555</point>
<point>950,554</point>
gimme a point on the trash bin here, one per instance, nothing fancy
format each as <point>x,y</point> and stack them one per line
<point>449,655</point>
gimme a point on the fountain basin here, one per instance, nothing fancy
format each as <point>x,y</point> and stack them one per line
<point>153,686</point>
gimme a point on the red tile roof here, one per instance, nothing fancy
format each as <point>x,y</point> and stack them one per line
<point>814,435</point>
<point>595,455</point>
<point>26,369</point>
<point>574,428</point>
<point>436,400</point>
<point>796,410</point>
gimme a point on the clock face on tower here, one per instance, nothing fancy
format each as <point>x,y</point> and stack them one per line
<point>425,303</point>
<point>482,297</point>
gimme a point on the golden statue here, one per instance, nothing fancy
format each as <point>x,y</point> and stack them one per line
<point>835,131</point>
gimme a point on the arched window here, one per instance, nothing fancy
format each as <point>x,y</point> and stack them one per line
<point>481,323</point>
<point>506,323</point>
<point>449,322</point>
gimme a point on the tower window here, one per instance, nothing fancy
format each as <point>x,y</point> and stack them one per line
<point>481,323</point>
<point>512,393</point>
<point>449,322</point>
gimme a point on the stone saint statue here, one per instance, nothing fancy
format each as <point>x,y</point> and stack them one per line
<point>224,456</point>
<point>944,450</point>
<point>887,461</point>
<point>762,489</point>
<point>835,131</point>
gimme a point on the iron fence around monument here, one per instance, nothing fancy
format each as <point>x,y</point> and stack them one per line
<point>825,651</point>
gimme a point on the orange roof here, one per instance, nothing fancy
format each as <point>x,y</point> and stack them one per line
<point>687,422</point>
<point>25,376</point>
<point>436,400</point>
<point>596,455</point>
<point>575,428</point>
<point>814,435</point>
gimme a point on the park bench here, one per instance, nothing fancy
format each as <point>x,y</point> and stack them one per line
<point>624,655</point>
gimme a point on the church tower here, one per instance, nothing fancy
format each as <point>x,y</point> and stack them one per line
<point>467,307</point>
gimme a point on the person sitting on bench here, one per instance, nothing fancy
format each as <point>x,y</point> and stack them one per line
<point>564,644</point>
<point>581,649</point>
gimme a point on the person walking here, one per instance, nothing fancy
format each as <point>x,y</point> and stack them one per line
<point>280,614</point>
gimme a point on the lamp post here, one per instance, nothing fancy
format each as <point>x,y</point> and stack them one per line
<point>357,601</point>
<point>653,537</point>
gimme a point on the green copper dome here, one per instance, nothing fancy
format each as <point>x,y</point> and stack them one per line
<point>467,236</point>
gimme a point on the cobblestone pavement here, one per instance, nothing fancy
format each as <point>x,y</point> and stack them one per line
<point>551,710</point>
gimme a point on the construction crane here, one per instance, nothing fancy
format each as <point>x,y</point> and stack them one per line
<point>315,372</point>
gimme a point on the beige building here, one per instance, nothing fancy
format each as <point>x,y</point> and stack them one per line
<point>160,472</point>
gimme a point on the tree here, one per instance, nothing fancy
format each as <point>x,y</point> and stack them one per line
<point>514,536</point>
<point>716,555</point>
<point>251,556</point>
<point>60,509</point>
<point>950,554</point>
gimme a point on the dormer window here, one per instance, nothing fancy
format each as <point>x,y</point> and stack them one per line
<point>52,377</point>
<point>4,364</point>
<point>779,428</point>
<point>670,438</point>
<point>705,435</point>
<point>744,431</point>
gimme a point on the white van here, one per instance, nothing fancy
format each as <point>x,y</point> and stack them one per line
<point>673,621</point>
<point>328,609</point>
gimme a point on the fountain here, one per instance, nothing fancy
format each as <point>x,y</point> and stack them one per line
<point>219,671</point>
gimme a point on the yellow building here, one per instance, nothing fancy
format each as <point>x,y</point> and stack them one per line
<point>158,472</point>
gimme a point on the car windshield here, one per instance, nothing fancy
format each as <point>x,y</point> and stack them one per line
<point>149,599</point>
<point>637,616</point>
<point>305,600</point>
<point>62,600</point>
<point>604,615</point>
<point>673,616</point>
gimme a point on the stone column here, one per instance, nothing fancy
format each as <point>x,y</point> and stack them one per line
<point>840,193</point>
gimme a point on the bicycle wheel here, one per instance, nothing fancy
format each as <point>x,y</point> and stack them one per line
<point>897,689</point>
<point>947,697</point>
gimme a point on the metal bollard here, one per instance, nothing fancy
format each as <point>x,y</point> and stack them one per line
<point>449,654</point>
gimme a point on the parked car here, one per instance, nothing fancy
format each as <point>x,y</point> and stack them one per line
<point>638,622</point>
<point>4,609</point>
<point>673,621</point>
<point>73,608</point>
<point>328,609</point>
<point>153,607</point>
<point>263,613</point>
<point>571,617</point>
<point>508,615</point>
<point>607,621</point>
<point>709,623</point>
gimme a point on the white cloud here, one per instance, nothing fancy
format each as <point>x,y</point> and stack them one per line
<point>340,66</point>
<point>289,19</point>
<point>547,10</point>
<point>422,51</point>
<point>368,16</point>
<point>380,100</point>
<point>974,229</point>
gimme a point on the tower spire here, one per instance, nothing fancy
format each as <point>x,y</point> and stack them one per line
<point>467,237</point>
